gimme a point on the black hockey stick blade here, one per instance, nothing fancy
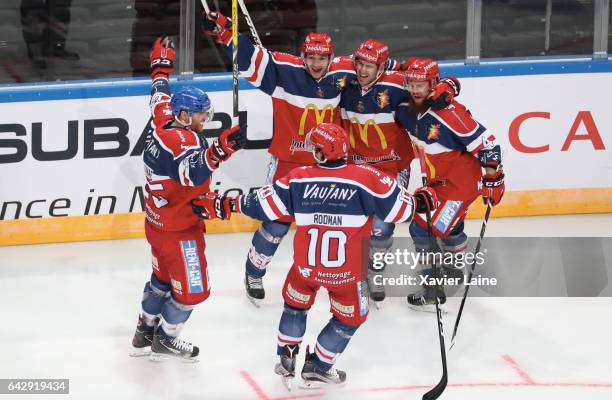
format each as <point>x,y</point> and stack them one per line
<point>437,390</point>
<point>467,287</point>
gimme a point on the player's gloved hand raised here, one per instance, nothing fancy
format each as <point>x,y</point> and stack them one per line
<point>161,57</point>
<point>444,92</point>
<point>425,199</point>
<point>230,141</point>
<point>218,26</point>
<point>493,187</point>
<point>211,206</point>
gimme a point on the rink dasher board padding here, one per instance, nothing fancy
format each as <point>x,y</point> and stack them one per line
<point>71,153</point>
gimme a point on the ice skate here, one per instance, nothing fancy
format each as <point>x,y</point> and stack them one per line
<point>315,378</point>
<point>425,298</point>
<point>165,348</point>
<point>286,367</point>
<point>143,337</point>
<point>377,292</point>
<point>254,289</point>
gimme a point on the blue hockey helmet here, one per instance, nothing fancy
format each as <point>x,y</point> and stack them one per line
<point>191,100</point>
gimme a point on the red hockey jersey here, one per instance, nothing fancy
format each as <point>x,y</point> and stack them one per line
<point>333,209</point>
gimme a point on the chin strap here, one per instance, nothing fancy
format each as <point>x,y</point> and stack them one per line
<point>316,154</point>
<point>181,123</point>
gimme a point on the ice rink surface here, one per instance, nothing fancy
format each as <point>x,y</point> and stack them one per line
<point>69,311</point>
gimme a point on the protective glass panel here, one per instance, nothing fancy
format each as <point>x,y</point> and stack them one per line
<point>516,28</point>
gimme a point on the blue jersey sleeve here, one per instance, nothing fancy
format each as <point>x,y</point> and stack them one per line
<point>269,203</point>
<point>256,64</point>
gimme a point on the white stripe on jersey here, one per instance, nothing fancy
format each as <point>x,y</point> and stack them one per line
<point>348,221</point>
<point>403,198</point>
<point>281,185</point>
<point>480,140</point>
<point>278,203</point>
<point>267,209</point>
<point>265,195</point>
<point>155,177</point>
<point>183,172</point>
<point>302,102</point>
<point>261,71</point>
<point>430,148</point>
<point>347,181</point>
<point>379,118</point>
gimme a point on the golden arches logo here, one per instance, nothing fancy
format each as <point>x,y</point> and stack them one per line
<point>363,132</point>
<point>319,116</point>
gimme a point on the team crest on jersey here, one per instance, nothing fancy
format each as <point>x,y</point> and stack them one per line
<point>341,82</point>
<point>320,92</point>
<point>382,98</point>
<point>434,132</point>
<point>305,271</point>
<point>360,107</point>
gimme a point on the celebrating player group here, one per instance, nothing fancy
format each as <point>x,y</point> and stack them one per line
<point>345,131</point>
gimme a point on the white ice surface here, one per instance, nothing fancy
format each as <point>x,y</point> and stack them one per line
<point>69,311</point>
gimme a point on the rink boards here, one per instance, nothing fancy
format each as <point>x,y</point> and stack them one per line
<point>72,168</point>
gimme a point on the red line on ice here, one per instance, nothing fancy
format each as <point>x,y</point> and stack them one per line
<point>450,385</point>
<point>261,395</point>
<point>521,372</point>
<point>527,382</point>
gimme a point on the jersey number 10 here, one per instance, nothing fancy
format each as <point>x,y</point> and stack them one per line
<point>324,257</point>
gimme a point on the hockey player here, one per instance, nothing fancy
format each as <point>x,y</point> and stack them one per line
<point>458,149</point>
<point>333,203</point>
<point>368,107</point>
<point>305,91</point>
<point>178,166</point>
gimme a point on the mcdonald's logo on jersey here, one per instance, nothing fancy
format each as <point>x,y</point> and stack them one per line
<point>319,116</point>
<point>363,133</point>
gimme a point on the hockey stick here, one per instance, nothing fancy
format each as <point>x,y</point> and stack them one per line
<point>472,267</point>
<point>249,22</point>
<point>211,43</point>
<point>437,390</point>
<point>235,69</point>
<point>205,5</point>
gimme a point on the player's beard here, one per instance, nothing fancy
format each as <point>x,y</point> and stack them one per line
<point>417,108</point>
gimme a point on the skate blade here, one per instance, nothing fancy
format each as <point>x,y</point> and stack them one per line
<point>140,352</point>
<point>161,358</point>
<point>375,303</point>
<point>429,308</point>
<point>313,385</point>
<point>310,385</point>
<point>256,302</point>
<point>287,382</point>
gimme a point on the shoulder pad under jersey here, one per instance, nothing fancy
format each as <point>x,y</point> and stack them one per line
<point>457,118</point>
<point>177,140</point>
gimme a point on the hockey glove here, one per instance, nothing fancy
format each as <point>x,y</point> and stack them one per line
<point>493,187</point>
<point>230,141</point>
<point>218,26</point>
<point>211,206</point>
<point>444,92</point>
<point>425,199</point>
<point>162,57</point>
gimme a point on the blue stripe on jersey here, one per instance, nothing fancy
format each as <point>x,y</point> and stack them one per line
<point>192,266</point>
